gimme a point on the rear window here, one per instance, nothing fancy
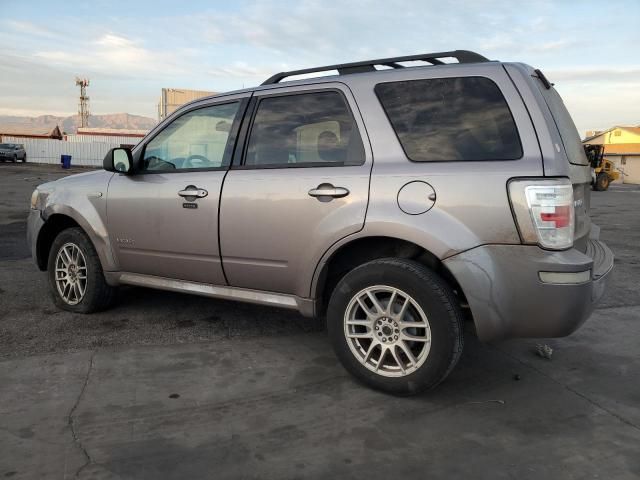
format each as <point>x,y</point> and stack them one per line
<point>567,129</point>
<point>448,119</point>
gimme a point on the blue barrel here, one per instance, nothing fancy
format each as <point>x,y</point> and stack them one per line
<point>65,160</point>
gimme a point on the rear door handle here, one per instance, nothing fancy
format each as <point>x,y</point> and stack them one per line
<point>328,190</point>
<point>193,191</point>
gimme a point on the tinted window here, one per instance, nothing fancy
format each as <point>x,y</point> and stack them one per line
<point>304,130</point>
<point>451,119</point>
<point>567,129</point>
<point>197,139</point>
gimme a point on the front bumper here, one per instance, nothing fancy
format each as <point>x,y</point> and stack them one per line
<point>508,299</point>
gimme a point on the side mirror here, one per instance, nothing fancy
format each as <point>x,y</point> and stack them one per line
<point>118,160</point>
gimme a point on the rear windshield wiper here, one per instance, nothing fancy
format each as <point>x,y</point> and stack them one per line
<point>547,84</point>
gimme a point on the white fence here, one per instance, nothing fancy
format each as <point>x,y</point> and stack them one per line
<point>41,150</point>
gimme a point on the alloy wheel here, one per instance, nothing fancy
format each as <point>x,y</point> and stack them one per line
<point>71,273</point>
<point>387,331</point>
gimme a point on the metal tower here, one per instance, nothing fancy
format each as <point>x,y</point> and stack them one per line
<point>83,106</point>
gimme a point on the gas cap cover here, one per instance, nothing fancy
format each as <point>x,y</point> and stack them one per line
<point>416,197</point>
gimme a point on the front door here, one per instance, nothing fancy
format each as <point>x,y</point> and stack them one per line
<point>163,219</point>
<point>302,185</point>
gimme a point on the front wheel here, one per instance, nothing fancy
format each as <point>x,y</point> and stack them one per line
<point>76,279</point>
<point>15,158</point>
<point>395,325</point>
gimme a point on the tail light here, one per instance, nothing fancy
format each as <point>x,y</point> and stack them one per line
<point>544,211</point>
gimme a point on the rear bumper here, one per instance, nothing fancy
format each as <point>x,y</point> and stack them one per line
<point>510,298</point>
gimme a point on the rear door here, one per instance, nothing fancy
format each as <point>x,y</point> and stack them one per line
<point>301,184</point>
<point>163,219</point>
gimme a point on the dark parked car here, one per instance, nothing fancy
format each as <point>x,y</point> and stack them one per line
<point>12,152</point>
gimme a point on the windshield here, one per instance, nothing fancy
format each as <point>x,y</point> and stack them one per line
<point>6,145</point>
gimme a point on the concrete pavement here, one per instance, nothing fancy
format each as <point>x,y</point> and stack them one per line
<point>180,387</point>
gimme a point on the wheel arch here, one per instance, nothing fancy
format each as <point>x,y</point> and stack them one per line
<point>365,249</point>
<point>59,219</point>
<point>52,227</point>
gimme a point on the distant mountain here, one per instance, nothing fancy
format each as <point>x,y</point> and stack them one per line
<point>70,124</point>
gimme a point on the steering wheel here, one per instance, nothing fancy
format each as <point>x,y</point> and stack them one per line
<point>196,161</point>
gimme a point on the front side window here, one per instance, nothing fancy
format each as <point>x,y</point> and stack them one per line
<point>309,129</point>
<point>447,119</point>
<point>197,139</point>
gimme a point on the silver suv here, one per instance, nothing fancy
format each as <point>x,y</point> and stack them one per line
<point>397,197</point>
<point>12,152</point>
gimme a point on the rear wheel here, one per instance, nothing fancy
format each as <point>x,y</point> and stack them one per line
<point>395,325</point>
<point>24,159</point>
<point>602,182</point>
<point>76,279</point>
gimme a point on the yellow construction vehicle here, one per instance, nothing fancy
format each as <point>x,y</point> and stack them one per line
<point>603,171</point>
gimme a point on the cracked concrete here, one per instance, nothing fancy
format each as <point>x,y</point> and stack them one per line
<point>71,418</point>
<point>284,408</point>
<point>247,393</point>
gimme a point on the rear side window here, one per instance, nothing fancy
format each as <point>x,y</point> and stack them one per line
<point>448,119</point>
<point>304,130</point>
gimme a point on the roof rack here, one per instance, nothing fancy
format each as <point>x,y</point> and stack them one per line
<point>463,56</point>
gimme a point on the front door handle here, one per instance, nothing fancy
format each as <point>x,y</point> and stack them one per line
<point>194,192</point>
<point>328,190</point>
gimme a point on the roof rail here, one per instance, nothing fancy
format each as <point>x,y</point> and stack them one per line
<point>463,56</point>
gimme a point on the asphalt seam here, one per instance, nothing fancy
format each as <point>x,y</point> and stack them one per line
<point>71,420</point>
<point>613,307</point>
<point>570,389</point>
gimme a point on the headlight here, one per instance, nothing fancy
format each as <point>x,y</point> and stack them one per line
<point>34,199</point>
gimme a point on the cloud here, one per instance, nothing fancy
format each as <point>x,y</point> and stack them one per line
<point>597,74</point>
<point>110,40</point>
<point>243,70</point>
<point>552,46</point>
<point>114,54</point>
<point>212,48</point>
<point>29,28</point>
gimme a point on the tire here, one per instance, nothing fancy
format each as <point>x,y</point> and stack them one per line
<point>428,296</point>
<point>24,159</point>
<point>602,182</point>
<point>15,159</point>
<point>96,294</point>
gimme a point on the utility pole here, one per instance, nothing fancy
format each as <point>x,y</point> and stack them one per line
<point>83,106</point>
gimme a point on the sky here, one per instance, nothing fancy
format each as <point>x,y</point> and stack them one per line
<point>131,50</point>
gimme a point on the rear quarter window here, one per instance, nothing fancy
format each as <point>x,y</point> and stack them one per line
<point>566,128</point>
<point>451,119</point>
